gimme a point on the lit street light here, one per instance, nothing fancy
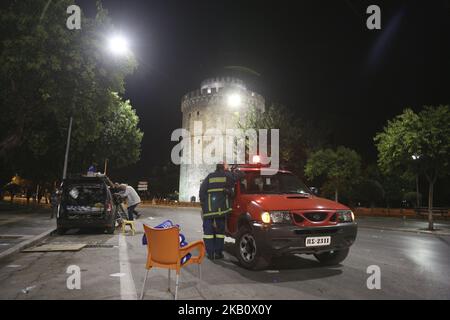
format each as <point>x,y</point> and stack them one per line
<point>118,45</point>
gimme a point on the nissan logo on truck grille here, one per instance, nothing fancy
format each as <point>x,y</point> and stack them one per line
<point>316,216</point>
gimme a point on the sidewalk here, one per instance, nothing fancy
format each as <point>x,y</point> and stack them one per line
<point>21,226</point>
<point>407,225</point>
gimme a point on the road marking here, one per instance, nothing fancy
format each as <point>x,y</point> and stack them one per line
<point>13,266</point>
<point>127,286</point>
<point>117,275</point>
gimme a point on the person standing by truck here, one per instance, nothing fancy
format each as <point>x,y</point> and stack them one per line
<point>54,201</point>
<point>215,194</point>
<point>133,200</point>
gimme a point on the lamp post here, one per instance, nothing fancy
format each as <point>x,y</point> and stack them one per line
<point>66,158</point>
<point>416,157</point>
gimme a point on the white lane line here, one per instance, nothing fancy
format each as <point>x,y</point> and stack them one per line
<point>117,275</point>
<point>127,286</point>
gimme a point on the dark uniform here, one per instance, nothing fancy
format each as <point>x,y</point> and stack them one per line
<point>216,200</point>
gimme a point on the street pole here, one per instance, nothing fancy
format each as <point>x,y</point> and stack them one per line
<point>417,191</point>
<point>106,165</point>
<point>66,159</point>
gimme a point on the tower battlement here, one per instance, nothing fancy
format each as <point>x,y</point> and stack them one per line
<point>217,89</point>
<point>219,82</point>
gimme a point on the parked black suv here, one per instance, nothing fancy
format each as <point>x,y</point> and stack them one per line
<point>86,202</point>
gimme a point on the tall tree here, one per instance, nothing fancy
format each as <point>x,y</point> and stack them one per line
<point>292,146</point>
<point>340,168</point>
<point>120,138</point>
<point>49,73</point>
<point>420,140</point>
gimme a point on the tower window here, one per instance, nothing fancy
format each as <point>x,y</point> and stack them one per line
<point>198,113</point>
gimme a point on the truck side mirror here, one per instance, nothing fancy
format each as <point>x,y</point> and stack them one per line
<point>314,190</point>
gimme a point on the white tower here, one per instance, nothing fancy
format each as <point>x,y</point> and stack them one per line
<point>219,103</point>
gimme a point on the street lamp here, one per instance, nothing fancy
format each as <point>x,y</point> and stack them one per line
<point>118,45</point>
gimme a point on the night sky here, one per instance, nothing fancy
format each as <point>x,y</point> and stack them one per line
<point>316,57</point>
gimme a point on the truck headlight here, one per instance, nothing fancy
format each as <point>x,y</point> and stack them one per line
<point>265,217</point>
<point>280,216</point>
<point>345,216</point>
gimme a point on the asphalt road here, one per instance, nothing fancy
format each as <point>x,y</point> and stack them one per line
<point>413,266</point>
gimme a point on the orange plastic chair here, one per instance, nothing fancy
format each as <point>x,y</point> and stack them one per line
<point>163,251</point>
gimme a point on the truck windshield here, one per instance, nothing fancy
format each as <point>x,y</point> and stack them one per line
<point>279,183</point>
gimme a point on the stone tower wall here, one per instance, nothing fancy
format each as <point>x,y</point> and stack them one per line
<point>209,104</point>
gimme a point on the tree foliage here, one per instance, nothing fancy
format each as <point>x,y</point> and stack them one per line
<point>292,146</point>
<point>49,73</point>
<point>424,135</point>
<point>119,139</point>
<point>340,168</point>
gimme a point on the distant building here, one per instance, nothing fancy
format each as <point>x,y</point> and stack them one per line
<point>219,103</point>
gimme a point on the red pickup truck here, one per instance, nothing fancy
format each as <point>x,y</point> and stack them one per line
<point>276,214</point>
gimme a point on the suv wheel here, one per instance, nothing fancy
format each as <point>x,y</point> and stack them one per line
<point>332,257</point>
<point>248,252</point>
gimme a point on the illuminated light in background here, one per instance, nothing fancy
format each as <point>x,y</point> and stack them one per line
<point>234,100</point>
<point>118,45</point>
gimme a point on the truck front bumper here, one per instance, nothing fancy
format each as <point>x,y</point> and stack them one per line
<point>284,239</point>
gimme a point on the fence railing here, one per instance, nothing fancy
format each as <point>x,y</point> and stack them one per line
<point>401,212</point>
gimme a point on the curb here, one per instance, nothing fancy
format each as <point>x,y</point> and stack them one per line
<point>145,205</point>
<point>437,233</point>
<point>27,243</point>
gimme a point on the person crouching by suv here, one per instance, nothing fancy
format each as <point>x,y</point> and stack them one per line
<point>133,200</point>
<point>216,202</point>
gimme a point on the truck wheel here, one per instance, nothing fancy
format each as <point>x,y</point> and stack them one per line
<point>332,257</point>
<point>248,252</point>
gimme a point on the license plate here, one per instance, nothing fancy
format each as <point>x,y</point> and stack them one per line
<point>318,241</point>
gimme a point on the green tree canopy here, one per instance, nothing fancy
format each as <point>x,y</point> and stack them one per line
<point>120,138</point>
<point>424,135</point>
<point>340,168</point>
<point>49,73</point>
<point>293,149</point>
